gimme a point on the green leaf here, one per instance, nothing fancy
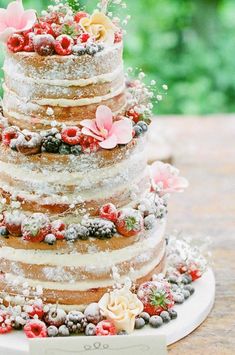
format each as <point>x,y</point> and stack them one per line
<point>74,4</point>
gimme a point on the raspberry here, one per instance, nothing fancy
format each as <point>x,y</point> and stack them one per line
<point>109,212</point>
<point>71,135</point>
<point>58,229</point>
<point>132,114</point>
<point>37,310</point>
<point>5,322</point>
<point>16,43</point>
<point>63,45</point>
<point>35,329</point>
<point>35,227</point>
<point>106,327</point>
<point>44,44</point>
<point>28,42</point>
<point>89,144</point>
<point>79,15</point>
<point>9,134</point>
<point>83,38</point>
<point>43,28</point>
<point>118,36</point>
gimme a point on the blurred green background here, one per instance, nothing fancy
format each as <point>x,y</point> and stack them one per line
<point>188,44</point>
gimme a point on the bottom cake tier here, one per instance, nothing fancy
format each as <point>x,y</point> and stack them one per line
<point>76,274</point>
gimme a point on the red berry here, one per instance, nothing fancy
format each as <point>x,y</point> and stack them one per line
<point>106,327</point>
<point>43,28</point>
<point>89,144</point>
<point>44,44</point>
<point>37,310</point>
<point>28,45</point>
<point>16,43</point>
<point>5,322</point>
<point>9,134</point>
<point>71,135</point>
<point>79,15</point>
<point>156,297</point>
<point>194,271</point>
<point>109,212</point>
<point>132,114</point>
<point>83,38</point>
<point>63,45</point>
<point>13,221</point>
<point>118,36</point>
<point>35,329</point>
<point>58,229</point>
<point>35,227</point>
<point>129,222</point>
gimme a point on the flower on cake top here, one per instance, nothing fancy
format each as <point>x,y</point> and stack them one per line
<point>121,306</point>
<point>15,19</point>
<point>100,27</point>
<point>165,179</point>
<point>109,133</point>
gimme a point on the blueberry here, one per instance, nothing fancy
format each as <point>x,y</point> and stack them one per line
<point>138,130</point>
<point>189,288</point>
<point>155,321</point>
<point>122,332</point>
<point>92,49</point>
<point>186,294</point>
<point>90,329</point>
<point>79,50</point>
<point>64,149</point>
<point>173,279</point>
<point>63,331</point>
<point>71,234</point>
<point>186,279</point>
<point>178,298</point>
<point>165,316</point>
<point>50,239</point>
<point>3,231</point>
<point>173,314</point>
<point>145,316</point>
<point>52,331</point>
<point>143,125</point>
<point>139,323</point>
<point>76,149</point>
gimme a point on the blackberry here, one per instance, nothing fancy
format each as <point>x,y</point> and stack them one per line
<point>99,228</point>
<point>160,207</point>
<point>76,149</point>
<point>64,149</point>
<point>77,231</point>
<point>76,322</point>
<point>51,144</point>
<point>82,232</point>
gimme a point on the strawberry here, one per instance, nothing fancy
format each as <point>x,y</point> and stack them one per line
<point>129,222</point>
<point>156,297</point>
<point>79,15</point>
<point>8,134</point>
<point>71,135</point>
<point>109,212</point>
<point>35,329</point>
<point>63,45</point>
<point>106,327</point>
<point>13,221</point>
<point>16,43</point>
<point>35,227</point>
<point>58,229</point>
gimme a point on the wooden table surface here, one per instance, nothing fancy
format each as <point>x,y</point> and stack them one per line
<point>204,151</point>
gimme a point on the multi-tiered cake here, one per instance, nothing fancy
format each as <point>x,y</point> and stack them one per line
<point>81,210</point>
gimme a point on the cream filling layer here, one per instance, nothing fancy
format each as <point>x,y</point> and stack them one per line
<point>86,285</point>
<point>107,258</point>
<point>99,79</point>
<point>73,103</point>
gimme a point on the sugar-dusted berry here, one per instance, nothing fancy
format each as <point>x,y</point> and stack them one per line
<point>118,36</point>
<point>36,310</point>
<point>109,212</point>
<point>106,327</point>
<point>55,316</point>
<point>13,221</point>
<point>35,329</point>
<point>35,227</point>
<point>58,229</point>
<point>129,222</point>
<point>5,322</point>
<point>79,15</point>
<point>71,135</point>
<point>44,44</point>
<point>16,43</point>
<point>8,134</point>
<point>63,45</point>
<point>83,38</point>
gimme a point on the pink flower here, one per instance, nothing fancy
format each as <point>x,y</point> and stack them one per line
<point>15,19</point>
<point>165,179</point>
<point>107,132</point>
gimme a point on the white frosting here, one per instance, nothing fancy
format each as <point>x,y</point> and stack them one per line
<point>109,258</point>
<point>98,79</point>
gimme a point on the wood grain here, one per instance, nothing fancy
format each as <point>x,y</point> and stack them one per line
<point>204,151</point>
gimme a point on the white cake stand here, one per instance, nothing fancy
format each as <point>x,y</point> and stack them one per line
<point>190,315</point>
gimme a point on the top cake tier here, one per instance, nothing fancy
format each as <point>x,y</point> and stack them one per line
<point>39,90</point>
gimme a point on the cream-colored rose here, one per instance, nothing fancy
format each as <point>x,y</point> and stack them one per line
<point>100,27</point>
<point>122,307</point>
